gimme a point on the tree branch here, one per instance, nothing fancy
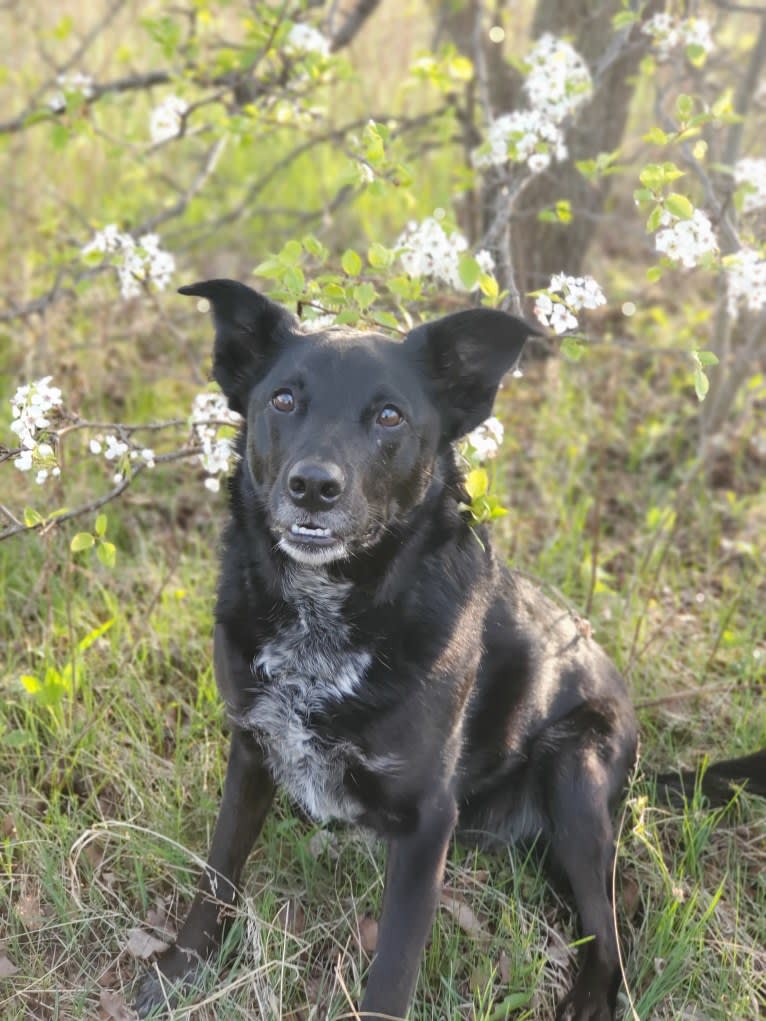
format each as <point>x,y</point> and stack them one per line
<point>353,23</point>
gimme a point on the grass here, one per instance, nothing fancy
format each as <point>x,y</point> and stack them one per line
<point>107,808</point>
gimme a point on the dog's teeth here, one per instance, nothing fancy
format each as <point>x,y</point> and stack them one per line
<point>323,533</point>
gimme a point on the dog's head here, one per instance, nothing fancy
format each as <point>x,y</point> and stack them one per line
<point>345,429</point>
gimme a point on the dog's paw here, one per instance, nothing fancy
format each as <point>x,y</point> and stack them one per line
<point>584,1008</point>
<point>177,971</point>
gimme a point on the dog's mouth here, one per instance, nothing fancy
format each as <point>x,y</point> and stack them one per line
<point>312,544</point>
<point>312,535</point>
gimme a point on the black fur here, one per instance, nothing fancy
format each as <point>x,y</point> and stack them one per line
<point>375,658</point>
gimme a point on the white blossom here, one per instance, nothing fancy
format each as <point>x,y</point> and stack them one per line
<point>557,304</point>
<point>320,322</point>
<point>76,82</point>
<point>166,119</point>
<point>137,262</point>
<point>95,446</point>
<point>558,81</point>
<point>23,460</point>
<point>209,411</point>
<point>523,136</point>
<point>485,261</point>
<point>745,281</point>
<point>307,39</point>
<point>427,250</point>
<point>486,439</point>
<point>30,406</point>
<point>751,173</point>
<point>115,448</point>
<point>687,241</point>
<point>668,32</point>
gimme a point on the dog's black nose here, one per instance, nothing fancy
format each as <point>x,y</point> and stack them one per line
<point>315,485</point>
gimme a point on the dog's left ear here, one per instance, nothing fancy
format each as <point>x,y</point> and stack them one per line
<point>465,356</point>
<point>249,330</point>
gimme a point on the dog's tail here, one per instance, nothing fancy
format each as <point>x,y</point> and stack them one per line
<point>719,780</point>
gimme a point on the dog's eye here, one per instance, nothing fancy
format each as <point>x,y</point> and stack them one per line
<point>390,416</point>
<point>283,400</point>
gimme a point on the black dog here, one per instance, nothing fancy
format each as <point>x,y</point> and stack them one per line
<point>375,659</point>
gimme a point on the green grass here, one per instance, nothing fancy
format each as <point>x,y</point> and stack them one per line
<point>107,809</point>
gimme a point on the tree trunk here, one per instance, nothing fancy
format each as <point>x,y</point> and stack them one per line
<point>540,249</point>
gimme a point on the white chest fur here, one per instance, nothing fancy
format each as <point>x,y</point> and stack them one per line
<point>307,666</point>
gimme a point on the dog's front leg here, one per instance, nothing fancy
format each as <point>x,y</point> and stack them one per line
<point>414,872</point>
<point>247,794</point>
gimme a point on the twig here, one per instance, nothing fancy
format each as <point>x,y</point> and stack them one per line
<point>44,526</point>
<point>352,24</point>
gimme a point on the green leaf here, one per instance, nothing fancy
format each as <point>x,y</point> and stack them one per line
<point>653,274</point>
<point>489,286</point>
<point>269,268</point>
<point>701,384</point>
<point>315,247</point>
<point>81,541</point>
<point>379,257</point>
<point>655,218</point>
<point>30,683</point>
<point>477,483</point>
<point>107,553</point>
<point>364,295</point>
<point>696,54</point>
<point>101,522</point>
<point>656,135</point>
<point>469,271</point>
<point>572,349</point>
<point>291,253</point>
<point>334,292</point>
<point>706,357</point>
<point>16,738</point>
<point>679,206</point>
<point>564,211</point>
<point>294,279</point>
<point>32,517</point>
<point>623,19</point>
<point>351,263</point>
<point>684,106</point>
<point>389,320</point>
<point>86,642</point>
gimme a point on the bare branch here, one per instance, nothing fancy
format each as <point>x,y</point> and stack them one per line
<point>353,23</point>
<point>51,522</point>
<point>745,93</point>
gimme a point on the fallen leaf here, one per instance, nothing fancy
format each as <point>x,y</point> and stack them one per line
<point>7,967</point>
<point>292,918</point>
<point>630,896</point>
<point>142,944</point>
<point>504,967</point>
<point>463,914</point>
<point>28,910</point>
<point>158,918</point>
<point>324,842</point>
<point>114,1006</point>
<point>367,927</point>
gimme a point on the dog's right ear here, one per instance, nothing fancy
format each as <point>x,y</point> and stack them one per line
<point>249,329</point>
